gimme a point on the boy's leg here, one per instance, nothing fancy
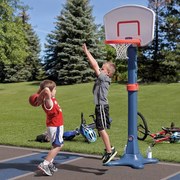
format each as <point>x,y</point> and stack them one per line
<point>47,165</point>
<point>55,134</point>
<point>110,151</point>
<point>56,139</point>
<point>105,138</point>
<point>102,114</point>
<point>52,153</point>
<point>50,157</point>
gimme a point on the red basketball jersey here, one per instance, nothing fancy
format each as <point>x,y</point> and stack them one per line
<point>54,116</point>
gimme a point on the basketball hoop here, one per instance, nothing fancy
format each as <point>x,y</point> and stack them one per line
<point>123,28</point>
<point>122,45</point>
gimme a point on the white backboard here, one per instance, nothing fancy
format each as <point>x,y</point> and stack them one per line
<point>130,21</point>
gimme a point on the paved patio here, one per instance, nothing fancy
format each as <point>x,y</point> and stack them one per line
<point>21,163</point>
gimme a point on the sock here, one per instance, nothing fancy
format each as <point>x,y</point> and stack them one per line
<point>46,162</point>
<point>52,161</point>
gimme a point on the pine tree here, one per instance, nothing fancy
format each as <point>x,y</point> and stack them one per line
<point>65,61</point>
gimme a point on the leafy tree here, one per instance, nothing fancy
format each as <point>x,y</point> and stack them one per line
<point>155,62</point>
<point>12,39</point>
<point>32,63</point>
<point>20,47</point>
<point>65,61</point>
<point>170,45</point>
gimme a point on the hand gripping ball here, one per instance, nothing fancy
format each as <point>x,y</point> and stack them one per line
<point>33,99</point>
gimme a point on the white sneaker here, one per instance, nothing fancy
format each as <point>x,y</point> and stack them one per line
<point>45,169</point>
<point>52,167</point>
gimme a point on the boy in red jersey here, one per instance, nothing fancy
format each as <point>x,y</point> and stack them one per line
<point>54,123</point>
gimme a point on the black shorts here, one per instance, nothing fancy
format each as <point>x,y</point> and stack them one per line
<point>102,117</point>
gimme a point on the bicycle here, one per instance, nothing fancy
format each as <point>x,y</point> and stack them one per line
<point>169,134</point>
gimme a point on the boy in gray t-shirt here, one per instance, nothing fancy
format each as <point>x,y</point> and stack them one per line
<point>100,91</point>
<point>101,87</point>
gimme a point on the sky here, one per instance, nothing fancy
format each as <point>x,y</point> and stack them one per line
<point>43,13</point>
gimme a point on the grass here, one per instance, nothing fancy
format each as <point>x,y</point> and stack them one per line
<point>20,123</point>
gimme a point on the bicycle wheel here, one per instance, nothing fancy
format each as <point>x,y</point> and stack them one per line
<point>142,127</point>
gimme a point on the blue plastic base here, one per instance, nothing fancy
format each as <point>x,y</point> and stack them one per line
<point>135,161</point>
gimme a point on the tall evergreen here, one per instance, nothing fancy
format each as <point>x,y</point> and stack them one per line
<point>65,61</point>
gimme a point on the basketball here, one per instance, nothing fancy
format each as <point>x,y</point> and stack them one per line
<point>33,99</point>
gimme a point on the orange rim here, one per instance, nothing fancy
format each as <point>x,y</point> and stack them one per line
<point>124,41</point>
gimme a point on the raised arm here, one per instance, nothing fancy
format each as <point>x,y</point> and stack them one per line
<point>91,59</point>
<point>45,97</point>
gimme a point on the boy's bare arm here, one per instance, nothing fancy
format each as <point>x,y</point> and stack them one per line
<point>45,97</point>
<point>91,59</point>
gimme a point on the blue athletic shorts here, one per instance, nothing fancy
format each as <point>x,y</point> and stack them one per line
<point>56,135</point>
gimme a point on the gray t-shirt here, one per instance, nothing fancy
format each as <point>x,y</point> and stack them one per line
<point>100,89</point>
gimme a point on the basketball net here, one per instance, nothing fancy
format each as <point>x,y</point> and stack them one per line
<point>121,46</point>
<point>121,50</point>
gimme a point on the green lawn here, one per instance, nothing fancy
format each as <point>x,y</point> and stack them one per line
<point>20,123</point>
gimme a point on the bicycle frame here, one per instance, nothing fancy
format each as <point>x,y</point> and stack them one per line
<point>160,136</point>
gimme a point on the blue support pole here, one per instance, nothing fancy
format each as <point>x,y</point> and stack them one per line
<point>132,157</point>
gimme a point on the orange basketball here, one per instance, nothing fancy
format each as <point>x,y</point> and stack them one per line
<point>33,99</point>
